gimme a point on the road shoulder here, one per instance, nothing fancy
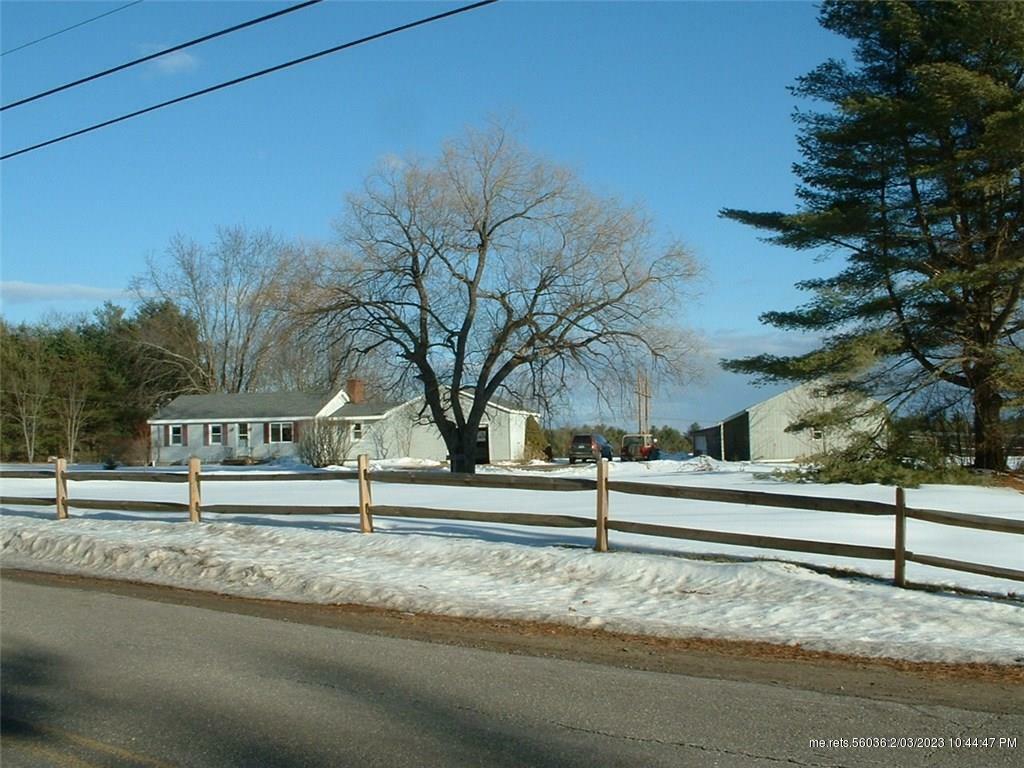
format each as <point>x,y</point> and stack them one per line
<point>980,687</point>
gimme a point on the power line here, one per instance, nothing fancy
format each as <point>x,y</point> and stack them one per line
<point>73,26</point>
<point>164,52</point>
<point>253,75</point>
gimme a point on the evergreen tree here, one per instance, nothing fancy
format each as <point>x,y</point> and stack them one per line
<point>915,172</point>
<point>672,440</point>
<point>84,388</point>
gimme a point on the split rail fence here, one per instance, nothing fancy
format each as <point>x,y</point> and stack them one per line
<point>601,522</point>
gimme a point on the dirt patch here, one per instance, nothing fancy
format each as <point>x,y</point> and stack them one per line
<point>1014,480</point>
<point>982,687</point>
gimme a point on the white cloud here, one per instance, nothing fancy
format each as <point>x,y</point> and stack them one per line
<point>17,292</point>
<point>727,343</point>
<point>176,63</point>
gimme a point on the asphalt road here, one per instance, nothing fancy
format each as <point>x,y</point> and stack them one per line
<point>91,678</point>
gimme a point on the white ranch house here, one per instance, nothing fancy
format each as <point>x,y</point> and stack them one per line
<point>261,426</point>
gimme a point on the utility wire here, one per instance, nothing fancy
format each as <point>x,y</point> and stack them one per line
<point>164,52</point>
<point>73,26</point>
<point>253,75</point>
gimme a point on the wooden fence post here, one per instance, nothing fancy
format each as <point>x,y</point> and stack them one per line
<point>602,506</point>
<point>60,473</point>
<point>901,539</point>
<point>365,495</point>
<point>195,514</point>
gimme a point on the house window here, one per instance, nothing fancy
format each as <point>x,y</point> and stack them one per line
<point>281,432</point>
<point>174,435</point>
<point>243,435</point>
<point>817,434</point>
<point>216,434</point>
<point>357,431</point>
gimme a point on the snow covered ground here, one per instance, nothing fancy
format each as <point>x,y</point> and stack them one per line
<point>646,585</point>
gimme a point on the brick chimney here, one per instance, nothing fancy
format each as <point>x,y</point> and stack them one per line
<point>356,390</point>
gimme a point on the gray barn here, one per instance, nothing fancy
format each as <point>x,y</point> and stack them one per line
<point>759,433</point>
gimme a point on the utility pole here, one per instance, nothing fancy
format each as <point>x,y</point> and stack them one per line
<point>643,403</point>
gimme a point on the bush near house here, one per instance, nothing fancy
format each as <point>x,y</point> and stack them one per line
<point>324,443</point>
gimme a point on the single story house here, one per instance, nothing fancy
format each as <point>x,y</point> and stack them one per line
<point>761,432</point>
<point>267,425</point>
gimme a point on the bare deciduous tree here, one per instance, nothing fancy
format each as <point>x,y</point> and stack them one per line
<point>492,271</point>
<point>26,383</point>
<point>231,291</point>
<point>71,409</point>
<point>75,376</point>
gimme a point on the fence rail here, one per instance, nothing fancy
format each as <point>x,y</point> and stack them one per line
<point>29,501</point>
<point>756,498</point>
<point>963,520</point>
<point>959,565</point>
<point>755,540</point>
<point>249,509</point>
<point>122,505</point>
<point>601,522</point>
<point>515,518</point>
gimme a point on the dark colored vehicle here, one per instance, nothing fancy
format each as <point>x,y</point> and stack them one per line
<point>590,447</point>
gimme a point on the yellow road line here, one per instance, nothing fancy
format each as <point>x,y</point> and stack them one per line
<point>95,745</point>
<point>59,759</point>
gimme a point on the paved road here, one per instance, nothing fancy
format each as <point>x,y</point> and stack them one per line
<point>98,679</point>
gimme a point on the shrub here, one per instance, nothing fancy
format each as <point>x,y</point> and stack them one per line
<point>324,443</point>
<point>536,441</point>
<point>903,459</point>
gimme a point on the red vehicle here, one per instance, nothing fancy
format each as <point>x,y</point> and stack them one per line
<point>639,447</point>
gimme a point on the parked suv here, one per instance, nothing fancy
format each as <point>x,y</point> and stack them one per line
<point>590,447</point>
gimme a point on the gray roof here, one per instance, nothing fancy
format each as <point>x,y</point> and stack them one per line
<point>360,410</point>
<point>508,405</point>
<point>243,405</point>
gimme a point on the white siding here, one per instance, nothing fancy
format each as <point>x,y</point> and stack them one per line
<point>179,454</point>
<point>769,439</point>
<point>402,432</point>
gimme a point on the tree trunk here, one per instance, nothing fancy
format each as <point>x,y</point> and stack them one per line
<point>463,452</point>
<point>989,445</point>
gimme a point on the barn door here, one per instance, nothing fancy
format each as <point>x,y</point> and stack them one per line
<point>483,445</point>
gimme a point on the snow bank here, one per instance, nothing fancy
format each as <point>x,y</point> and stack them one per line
<point>626,592</point>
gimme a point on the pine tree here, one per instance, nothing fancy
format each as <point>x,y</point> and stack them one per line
<point>914,172</point>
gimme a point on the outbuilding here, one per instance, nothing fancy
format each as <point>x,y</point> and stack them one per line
<point>762,431</point>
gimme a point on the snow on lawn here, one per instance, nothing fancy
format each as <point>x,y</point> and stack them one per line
<point>647,585</point>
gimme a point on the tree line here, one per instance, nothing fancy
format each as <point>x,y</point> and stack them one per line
<point>85,387</point>
<point>670,439</point>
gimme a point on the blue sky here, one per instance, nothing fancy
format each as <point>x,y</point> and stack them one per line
<point>680,106</point>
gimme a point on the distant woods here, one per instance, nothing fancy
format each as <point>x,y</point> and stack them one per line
<point>210,318</point>
<point>83,388</point>
<point>670,439</point>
